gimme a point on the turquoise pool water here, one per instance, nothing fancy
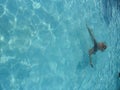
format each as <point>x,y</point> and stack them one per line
<point>44,44</point>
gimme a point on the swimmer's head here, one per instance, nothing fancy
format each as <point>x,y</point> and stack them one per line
<point>102,46</point>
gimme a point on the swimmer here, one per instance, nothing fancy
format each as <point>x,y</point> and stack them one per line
<point>97,46</point>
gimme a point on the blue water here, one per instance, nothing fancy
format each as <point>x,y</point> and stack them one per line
<point>44,44</point>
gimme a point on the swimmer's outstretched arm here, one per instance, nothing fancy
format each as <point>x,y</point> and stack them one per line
<point>90,58</point>
<point>90,32</point>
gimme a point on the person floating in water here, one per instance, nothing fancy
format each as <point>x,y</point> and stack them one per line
<point>97,46</point>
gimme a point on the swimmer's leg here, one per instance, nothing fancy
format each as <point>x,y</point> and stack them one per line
<point>90,32</point>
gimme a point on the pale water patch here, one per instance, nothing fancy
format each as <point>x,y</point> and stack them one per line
<point>4,58</point>
<point>2,38</point>
<point>2,10</point>
<point>36,5</point>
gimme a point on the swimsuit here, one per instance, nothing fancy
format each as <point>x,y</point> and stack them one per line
<point>95,48</point>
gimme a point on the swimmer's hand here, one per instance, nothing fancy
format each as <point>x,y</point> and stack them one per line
<point>91,65</point>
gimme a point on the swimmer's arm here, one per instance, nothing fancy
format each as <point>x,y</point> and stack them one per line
<point>90,32</point>
<point>90,60</point>
<point>91,51</point>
